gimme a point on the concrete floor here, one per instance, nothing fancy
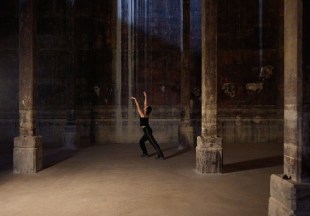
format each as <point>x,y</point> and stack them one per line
<point>112,180</point>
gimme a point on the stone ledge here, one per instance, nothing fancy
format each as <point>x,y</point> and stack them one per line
<point>27,142</point>
<point>186,129</point>
<point>212,143</point>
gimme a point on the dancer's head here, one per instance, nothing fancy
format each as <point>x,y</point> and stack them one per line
<point>148,110</point>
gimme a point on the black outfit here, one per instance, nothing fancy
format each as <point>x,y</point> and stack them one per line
<point>147,130</point>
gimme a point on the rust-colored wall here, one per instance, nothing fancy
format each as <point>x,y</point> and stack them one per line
<point>239,61</point>
<point>9,55</point>
<point>78,50</point>
<point>8,73</point>
<point>250,71</point>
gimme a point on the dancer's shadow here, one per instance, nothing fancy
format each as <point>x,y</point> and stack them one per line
<point>177,152</point>
<point>53,157</point>
<point>253,164</point>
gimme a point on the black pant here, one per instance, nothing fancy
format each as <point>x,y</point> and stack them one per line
<point>149,136</point>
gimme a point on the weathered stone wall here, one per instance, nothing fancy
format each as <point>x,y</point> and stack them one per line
<point>151,37</point>
<point>150,52</point>
<point>250,71</point>
<point>52,73</point>
<point>8,73</point>
<point>163,122</point>
<point>77,55</point>
<point>250,105</point>
<point>250,52</point>
<point>78,51</point>
<point>251,126</point>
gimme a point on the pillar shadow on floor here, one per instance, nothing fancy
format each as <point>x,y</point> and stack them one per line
<point>6,161</point>
<point>55,156</point>
<point>50,158</point>
<point>253,164</point>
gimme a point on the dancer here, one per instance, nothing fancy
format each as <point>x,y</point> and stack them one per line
<point>147,130</point>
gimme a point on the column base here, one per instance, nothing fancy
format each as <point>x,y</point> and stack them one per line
<point>209,156</point>
<point>27,154</point>
<point>288,198</point>
<point>70,137</point>
<point>186,137</point>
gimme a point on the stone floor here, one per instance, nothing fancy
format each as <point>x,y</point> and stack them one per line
<point>112,180</point>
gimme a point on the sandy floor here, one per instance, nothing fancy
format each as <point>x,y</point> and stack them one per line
<point>112,180</point>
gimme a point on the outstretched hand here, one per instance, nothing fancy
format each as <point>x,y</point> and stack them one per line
<point>133,98</point>
<point>144,93</point>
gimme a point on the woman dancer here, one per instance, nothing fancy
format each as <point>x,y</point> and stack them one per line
<point>147,130</point>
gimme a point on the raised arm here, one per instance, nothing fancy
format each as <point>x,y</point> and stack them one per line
<point>138,107</point>
<point>145,100</point>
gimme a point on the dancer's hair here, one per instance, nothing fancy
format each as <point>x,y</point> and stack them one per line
<point>148,110</point>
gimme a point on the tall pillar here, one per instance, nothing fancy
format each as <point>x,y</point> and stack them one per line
<point>186,131</point>
<point>27,154</point>
<point>290,192</point>
<point>118,67</point>
<point>70,137</point>
<point>209,145</point>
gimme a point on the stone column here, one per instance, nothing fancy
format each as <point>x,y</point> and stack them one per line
<point>27,154</point>
<point>290,191</point>
<point>209,145</point>
<point>70,137</point>
<point>186,131</point>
